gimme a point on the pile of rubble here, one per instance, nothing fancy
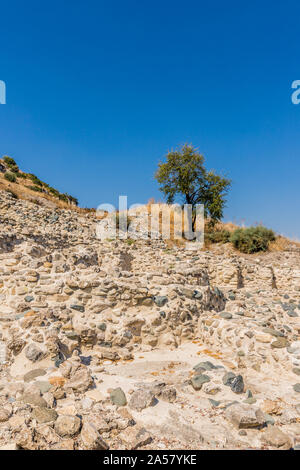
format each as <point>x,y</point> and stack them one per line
<point>127,344</point>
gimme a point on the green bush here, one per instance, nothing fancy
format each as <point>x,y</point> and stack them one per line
<point>9,161</point>
<point>54,191</point>
<point>252,239</point>
<point>218,236</point>
<point>11,177</point>
<point>63,197</point>
<point>35,188</point>
<point>21,175</point>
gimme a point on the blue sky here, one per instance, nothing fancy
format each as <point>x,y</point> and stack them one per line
<point>99,91</point>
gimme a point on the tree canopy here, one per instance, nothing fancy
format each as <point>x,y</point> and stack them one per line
<point>183,176</point>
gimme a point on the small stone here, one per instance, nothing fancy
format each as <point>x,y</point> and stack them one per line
<point>80,381</point>
<point>33,374</point>
<point>141,399</point>
<point>237,384</point>
<point>292,313</point>
<point>168,394</point>
<point>245,416</point>
<point>296,387</point>
<point>296,370</point>
<point>67,426</point>
<point>33,399</point>
<point>274,437</point>
<point>214,403</point>
<point>79,308</point>
<point>198,380</point>
<point>226,315</point>
<point>91,438</point>
<point>135,437</point>
<point>211,388</point>
<point>4,415</point>
<point>44,386</point>
<point>206,365</point>
<point>118,397</point>
<point>33,352</point>
<point>280,343</point>
<point>250,400</point>
<point>43,415</point>
<point>228,378</point>
<point>273,332</point>
<point>269,420</point>
<point>161,300</point>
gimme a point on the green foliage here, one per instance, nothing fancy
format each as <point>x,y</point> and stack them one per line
<point>218,236</point>
<point>35,188</point>
<point>35,179</point>
<point>73,199</point>
<point>9,161</point>
<point>38,185</point>
<point>63,197</point>
<point>184,175</point>
<point>11,177</point>
<point>54,191</point>
<point>252,239</point>
<point>21,175</point>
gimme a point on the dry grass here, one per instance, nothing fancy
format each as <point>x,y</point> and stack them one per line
<point>282,244</point>
<point>27,194</point>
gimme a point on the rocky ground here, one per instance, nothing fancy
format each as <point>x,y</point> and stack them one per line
<point>126,344</point>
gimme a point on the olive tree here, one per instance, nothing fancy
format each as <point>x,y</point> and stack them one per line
<point>183,177</point>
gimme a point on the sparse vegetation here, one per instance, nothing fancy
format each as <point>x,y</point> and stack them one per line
<point>11,177</point>
<point>38,185</point>
<point>218,236</point>
<point>35,179</point>
<point>9,161</point>
<point>11,164</point>
<point>21,175</point>
<point>252,239</point>
<point>35,188</point>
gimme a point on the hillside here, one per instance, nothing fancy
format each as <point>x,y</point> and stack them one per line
<point>29,187</point>
<point>142,344</point>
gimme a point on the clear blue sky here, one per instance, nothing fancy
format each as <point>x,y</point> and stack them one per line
<point>98,91</point>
